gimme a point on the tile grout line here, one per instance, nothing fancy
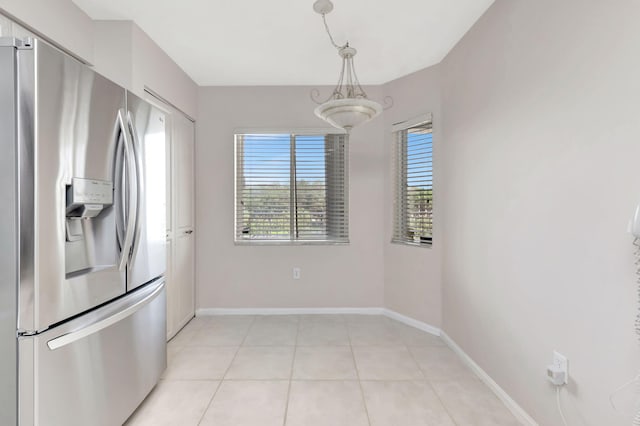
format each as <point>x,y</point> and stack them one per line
<point>226,372</point>
<point>293,360</point>
<point>446,410</point>
<point>355,365</point>
<point>433,389</point>
<point>415,361</point>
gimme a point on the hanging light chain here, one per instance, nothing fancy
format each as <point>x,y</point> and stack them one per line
<point>326,27</point>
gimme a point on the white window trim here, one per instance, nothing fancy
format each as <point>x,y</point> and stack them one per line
<point>404,125</point>
<point>298,131</point>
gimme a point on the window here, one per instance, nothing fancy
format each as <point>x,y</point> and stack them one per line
<point>413,203</point>
<point>291,188</point>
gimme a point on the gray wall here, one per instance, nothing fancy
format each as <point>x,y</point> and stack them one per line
<point>230,276</point>
<point>412,275</point>
<point>541,174</point>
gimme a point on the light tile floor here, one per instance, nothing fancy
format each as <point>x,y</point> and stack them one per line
<point>308,370</point>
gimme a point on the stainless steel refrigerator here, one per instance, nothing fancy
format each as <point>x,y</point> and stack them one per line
<point>82,238</point>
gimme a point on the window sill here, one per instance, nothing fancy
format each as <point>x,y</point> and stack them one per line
<point>290,243</point>
<point>406,243</point>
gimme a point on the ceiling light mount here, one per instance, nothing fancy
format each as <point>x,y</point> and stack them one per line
<point>323,6</point>
<point>348,105</point>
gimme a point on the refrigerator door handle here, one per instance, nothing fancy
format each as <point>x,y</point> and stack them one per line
<point>120,183</point>
<point>132,190</point>
<point>139,183</point>
<point>143,299</point>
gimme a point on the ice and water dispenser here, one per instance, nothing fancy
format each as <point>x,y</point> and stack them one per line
<point>89,245</point>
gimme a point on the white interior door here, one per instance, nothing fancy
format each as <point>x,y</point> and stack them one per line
<point>184,230</point>
<point>180,234</point>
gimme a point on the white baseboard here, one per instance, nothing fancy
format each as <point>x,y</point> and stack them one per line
<point>287,311</point>
<point>513,406</point>
<point>428,328</point>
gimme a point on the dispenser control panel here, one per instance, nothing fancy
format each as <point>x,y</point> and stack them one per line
<point>89,191</point>
<point>86,198</point>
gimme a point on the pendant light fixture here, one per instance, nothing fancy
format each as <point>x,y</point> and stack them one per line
<point>348,105</point>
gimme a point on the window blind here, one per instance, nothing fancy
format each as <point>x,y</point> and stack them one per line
<point>291,187</point>
<point>413,201</point>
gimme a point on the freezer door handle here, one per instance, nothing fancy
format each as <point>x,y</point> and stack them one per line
<point>144,299</point>
<point>132,190</point>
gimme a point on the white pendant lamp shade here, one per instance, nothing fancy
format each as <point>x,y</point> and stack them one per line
<point>348,113</point>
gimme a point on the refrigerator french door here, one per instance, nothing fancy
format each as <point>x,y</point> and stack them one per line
<point>148,254</point>
<point>82,312</point>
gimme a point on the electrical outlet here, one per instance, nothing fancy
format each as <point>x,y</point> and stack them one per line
<point>561,364</point>
<point>296,273</point>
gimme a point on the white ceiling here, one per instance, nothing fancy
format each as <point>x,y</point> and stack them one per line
<point>283,42</point>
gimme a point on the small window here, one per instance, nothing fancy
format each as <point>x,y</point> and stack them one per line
<point>291,188</point>
<point>413,202</point>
